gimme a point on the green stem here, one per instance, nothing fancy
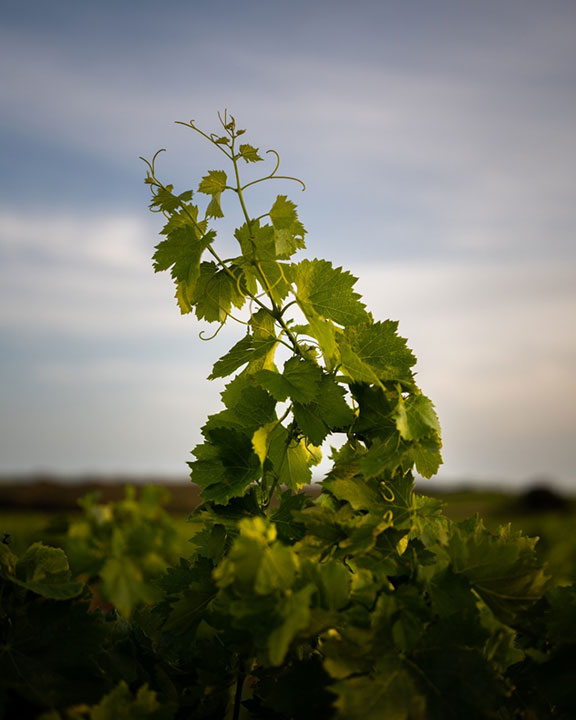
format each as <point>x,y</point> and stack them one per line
<point>276,311</point>
<point>193,127</point>
<point>238,695</point>
<point>271,493</point>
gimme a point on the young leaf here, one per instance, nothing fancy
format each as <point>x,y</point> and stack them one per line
<point>288,230</point>
<point>249,153</point>
<point>327,291</point>
<point>165,200</point>
<point>213,184</point>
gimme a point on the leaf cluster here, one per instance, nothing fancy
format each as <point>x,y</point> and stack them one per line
<point>364,602</point>
<point>369,587</point>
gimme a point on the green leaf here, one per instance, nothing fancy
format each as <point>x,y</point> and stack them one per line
<point>446,655</point>
<point>215,293</point>
<point>288,528</point>
<point>121,704</point>
<point>241,565</point>
<point>213,184</point>
<point>426,456</point>
<point>295,612</point>
<point>261,440</point>
<point>263,327</point>
<point>392,696</point>
<point>247,350</point>
<point>288,230</point>
<point>188,609</point>
<point>187,216</point>
<point>249,153</point>
<point>283,213</point>
<point>124,585</point>
<point>376,411</point>
<point>329,412</point>
<point>327,291</point>
<point>503,569</point>
<point>300,380</point>
<point>210,543</point>
<point>258,246</point>
<point>247,407</point>
<point>416,417</point>
<point>325,333</point>
<point>45,571</point>
<point>373,352</point>
<point>382,456</point>
<point>360,494</point>
<point>226,467</point>
<point>561,616</point>
<point>277,569</point>
<point>8,559</point>
<point>182,251</point>
<point>291,459</point>
<point>164,199</point>
<point>184,297</point>
<point>256,241</point>
<point>334,583</point>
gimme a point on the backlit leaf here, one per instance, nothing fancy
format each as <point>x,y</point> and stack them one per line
<point>216,291</point>
<point>288,230</point>
<point>300,380</point>
<point>373,352</point>
<point>247,350</point>
<point>327,291</point>
<point>249,153</point>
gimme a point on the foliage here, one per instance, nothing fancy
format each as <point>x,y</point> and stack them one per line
<point>364,603</point>
<point>119,548</point>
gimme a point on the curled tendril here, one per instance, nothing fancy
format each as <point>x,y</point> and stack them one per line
<point>277,161</point>
<point>388,516</point>
<point>232,317</point>
<point>151,164</point>
<point>201,132</point>
<point>273,176</point>
<point>210,337</point>
<point>238,279</point>
<point>387,493</point>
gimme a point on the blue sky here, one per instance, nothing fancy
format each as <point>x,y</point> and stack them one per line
<point>438,148</point>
